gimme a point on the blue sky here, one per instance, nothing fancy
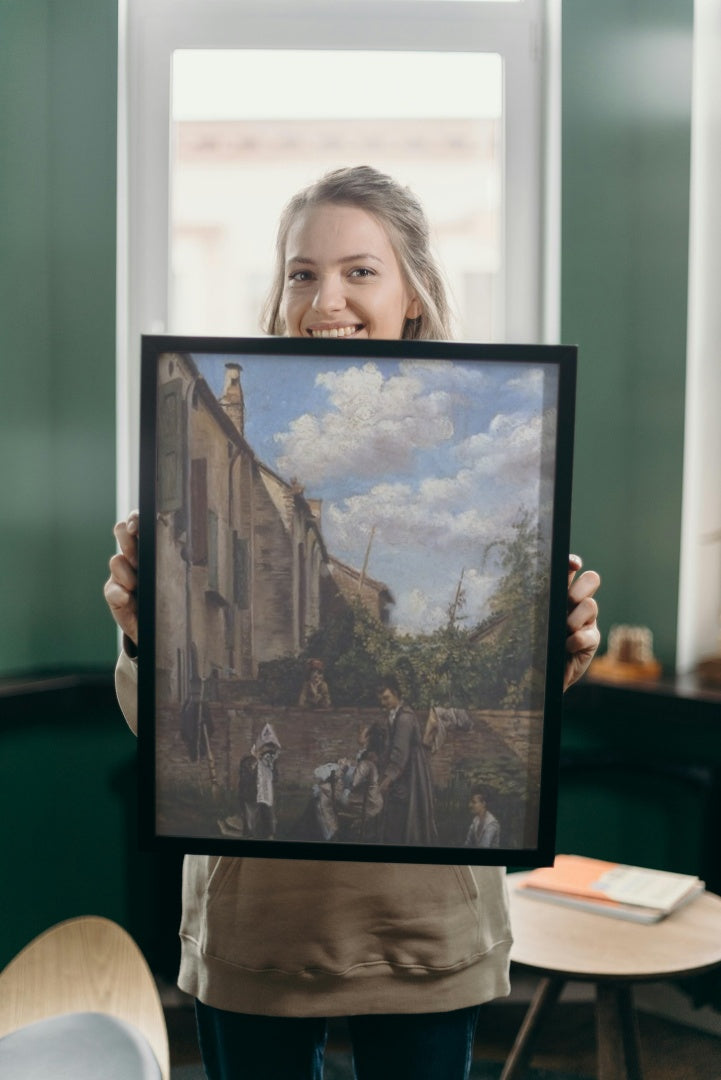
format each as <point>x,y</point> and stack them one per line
<point>438,456</point>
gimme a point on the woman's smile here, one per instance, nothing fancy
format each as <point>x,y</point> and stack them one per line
<point>335,331</point>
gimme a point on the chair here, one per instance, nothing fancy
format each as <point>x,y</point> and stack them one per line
<point>80,1002</point>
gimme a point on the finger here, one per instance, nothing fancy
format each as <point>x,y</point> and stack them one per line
<point>575,562</point>
<point>118,598</point>
<point>123,572</point>
<point>584,613</point>
<point>123,608</point>
<point>585,640</point>
<point>585,585</point>
<point>126,534</point>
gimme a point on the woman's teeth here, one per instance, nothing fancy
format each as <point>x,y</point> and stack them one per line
<point>337,331</point>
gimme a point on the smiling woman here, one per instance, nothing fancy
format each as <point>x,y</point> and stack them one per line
<point>353,259</point>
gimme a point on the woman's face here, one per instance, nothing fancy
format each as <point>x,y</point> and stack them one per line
<point>342,277</point>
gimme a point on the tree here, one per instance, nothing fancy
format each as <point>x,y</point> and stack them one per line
<point>497,663</point>
<point>520,605</point>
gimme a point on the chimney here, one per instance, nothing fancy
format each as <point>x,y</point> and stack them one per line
<point>232,397</point>
<point>316,507</point>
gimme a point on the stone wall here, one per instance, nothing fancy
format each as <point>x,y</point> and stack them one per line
<point>503,748</point>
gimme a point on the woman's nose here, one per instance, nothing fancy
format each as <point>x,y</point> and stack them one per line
<point>329,296</point>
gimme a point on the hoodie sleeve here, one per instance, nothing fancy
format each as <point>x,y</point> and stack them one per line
<point>126,688</point>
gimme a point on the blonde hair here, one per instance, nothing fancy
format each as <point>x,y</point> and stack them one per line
<point>403,217</point>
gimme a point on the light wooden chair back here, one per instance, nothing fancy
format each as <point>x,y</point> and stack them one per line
<point>87,964</point>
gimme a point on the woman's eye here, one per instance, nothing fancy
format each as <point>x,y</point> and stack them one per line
<point>362,272</point>
<point>300,276</point>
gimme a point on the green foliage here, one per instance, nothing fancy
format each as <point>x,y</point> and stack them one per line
<point>495,664</point>
<point>447,666</point>
<point>503,778</point>
<point>354,679</point>
<point>515,652</point>
<point>280,681</point>
<point>370,650</point>
<point>528,693</point>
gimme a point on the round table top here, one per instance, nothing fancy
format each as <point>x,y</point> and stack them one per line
<point>559,940</point>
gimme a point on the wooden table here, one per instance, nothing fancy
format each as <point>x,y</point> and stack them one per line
<point>563,944</point>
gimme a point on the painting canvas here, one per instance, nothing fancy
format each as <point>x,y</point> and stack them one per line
<point>352,597</point>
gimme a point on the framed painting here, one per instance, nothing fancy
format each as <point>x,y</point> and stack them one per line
<point>352,597</point>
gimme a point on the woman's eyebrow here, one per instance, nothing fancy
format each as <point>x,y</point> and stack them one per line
<point>361,257</point>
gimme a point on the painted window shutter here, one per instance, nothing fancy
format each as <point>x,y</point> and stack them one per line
<point>199,511</point>
<point>213,581</point>
<point>240,571</point>
<point>171,439</point>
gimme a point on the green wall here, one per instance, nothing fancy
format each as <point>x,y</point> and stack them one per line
<point>58,71</point>
<point>69,798</point>
<point>625,201</point>
<point>67,771</point>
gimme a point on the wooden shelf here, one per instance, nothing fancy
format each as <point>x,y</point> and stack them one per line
<point>681,696</point>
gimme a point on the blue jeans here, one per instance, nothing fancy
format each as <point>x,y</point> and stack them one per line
<point>415,1046</point>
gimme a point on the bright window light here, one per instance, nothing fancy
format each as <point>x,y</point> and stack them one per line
<point>251,127</point>
<point>258,84</point>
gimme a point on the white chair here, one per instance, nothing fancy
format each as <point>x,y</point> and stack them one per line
<point>80,1002</point>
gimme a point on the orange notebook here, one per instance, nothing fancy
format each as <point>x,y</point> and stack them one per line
<point>632,892</point>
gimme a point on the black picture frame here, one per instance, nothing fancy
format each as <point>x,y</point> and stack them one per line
<point>316,514</point>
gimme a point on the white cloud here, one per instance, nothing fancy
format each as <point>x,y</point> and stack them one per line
<point>417,612</point>
<point>508,451</point>
<point>528,382</point>
<point>373,427</point>
<point>405,520</point>
<point>498,475</point>
<point>453,377</point>
<point>435,518</point>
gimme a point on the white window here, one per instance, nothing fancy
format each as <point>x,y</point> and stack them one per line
<point>699,623</point>
<point>236,158</point>
<point>227,107</point>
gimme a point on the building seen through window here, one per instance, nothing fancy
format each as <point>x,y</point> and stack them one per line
<point>233,170</point>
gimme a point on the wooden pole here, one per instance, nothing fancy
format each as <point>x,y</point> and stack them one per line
<point>361,579</point>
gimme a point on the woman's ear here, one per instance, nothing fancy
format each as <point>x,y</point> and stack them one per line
<point>415,309</point>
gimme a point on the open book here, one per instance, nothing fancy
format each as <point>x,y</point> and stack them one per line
<point>609,888</point>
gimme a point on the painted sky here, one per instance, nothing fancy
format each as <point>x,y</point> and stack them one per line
<point>439,457</point>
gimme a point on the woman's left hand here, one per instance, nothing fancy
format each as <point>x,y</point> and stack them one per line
<point>583,635</point>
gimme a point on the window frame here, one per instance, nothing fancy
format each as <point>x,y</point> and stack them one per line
<point>526,34</point>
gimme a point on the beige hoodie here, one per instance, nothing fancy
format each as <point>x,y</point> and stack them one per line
<point>285,937</point>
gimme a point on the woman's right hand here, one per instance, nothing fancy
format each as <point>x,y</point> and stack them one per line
<point>121,587</point>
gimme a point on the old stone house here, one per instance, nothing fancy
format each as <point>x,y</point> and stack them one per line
<point>245,573</point>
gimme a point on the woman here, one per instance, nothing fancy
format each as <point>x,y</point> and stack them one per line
<point>271,948</point>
